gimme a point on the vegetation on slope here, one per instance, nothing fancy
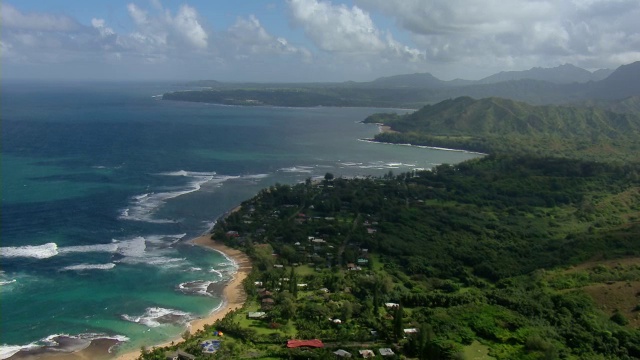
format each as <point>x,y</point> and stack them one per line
<point>495,125</point>
<point>467,251</point>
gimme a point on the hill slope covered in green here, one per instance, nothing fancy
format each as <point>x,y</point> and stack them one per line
<point>495,125</point>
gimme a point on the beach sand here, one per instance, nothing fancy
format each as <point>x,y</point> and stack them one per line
<point>233,293</point>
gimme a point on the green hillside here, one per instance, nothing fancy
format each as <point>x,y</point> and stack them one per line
<point>498,125</point>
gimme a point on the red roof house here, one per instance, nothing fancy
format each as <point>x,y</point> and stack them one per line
<point>315,343</point>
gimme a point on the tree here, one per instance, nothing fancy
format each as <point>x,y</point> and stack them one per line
<point>328,176</point>
<point>347,310</point>
<point>398,325</point>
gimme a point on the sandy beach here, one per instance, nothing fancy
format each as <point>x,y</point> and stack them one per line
<point>233,293</point>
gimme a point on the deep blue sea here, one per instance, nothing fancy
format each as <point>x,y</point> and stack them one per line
<point>103,184</point>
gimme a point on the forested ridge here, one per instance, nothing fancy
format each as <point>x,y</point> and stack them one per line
<point>495,125</point>
<point>530,252</point>
<point>476,256</point>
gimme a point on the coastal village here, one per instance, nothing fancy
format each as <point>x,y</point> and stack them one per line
<point>423,265</point>
<point>316,291</point>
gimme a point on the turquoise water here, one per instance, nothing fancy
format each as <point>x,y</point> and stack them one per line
<point>102,184</point>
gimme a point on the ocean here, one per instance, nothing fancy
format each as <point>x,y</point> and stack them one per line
<point>104,183</point>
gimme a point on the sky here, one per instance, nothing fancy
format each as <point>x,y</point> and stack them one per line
<point>309,40</point>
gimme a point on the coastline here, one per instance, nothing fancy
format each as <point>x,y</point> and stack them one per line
<point>233,297</point>
<point>233,293</point>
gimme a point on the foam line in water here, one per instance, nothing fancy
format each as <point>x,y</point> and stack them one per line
<point>297,169</point>
<point>157,316</point>
<point>81,267</point>
<point>7,282</point>
<point>197,287</point>
<point>143,206</point>
<point>57,343</point>
<point>31,251</point>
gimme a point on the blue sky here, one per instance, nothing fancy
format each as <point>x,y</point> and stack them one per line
<point>310,40</point>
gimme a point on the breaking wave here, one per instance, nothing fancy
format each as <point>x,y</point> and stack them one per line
<point>157,316</point>
<point>81,267</point>
<point>36,251</point>
<point>58,343</point>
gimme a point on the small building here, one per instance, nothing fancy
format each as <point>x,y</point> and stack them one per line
<point>210,346</point>
<point>386,352</point>
<point>337,321</point>
<point>390,305</point>
<point>180,355</point>
<point>366,353</point>
<point>342,353</point>
<point>411,331</point>
<point>279,266</point>
<point>256,314</point>
<point>232,233</point>
<point>315,343</point>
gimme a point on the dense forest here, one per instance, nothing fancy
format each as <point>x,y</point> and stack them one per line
<point>495,125</point>
<point>491,255</point>
<point>530,252</point>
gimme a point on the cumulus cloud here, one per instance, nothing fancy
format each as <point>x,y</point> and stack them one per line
<point>247,35</point>
<point>11,18</point>
<point>536,32</point>
<point>343,30</point>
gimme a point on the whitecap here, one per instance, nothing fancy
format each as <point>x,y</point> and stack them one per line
<point>157,316</point>
<point>7,351</point>
<point>81,267</point>
<point>109,248</point>
<point>36,251</point>
<point>256,176</point>
<point>59,343</point>
<point>7,282</point>
<point>297,169</point>
<point>196,287</point>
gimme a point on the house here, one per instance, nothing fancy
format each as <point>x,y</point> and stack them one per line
<point>256,314</point>
<point>180,355</point>
<point>279,266</point>
<point>315,343</point>
<point>210,346</point>
<point>390,305</point>
<point>411,331</point>
<point>366,353</point>
<point>232,233</point>
<point>362,261</point>
<point>386,352</point>
<point>337,321</point>
<point>342,353</point>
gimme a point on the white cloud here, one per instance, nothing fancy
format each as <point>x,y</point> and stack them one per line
<point>519,33</point>
<point>343,30</point>
<point>11,18</point>
<point>247,35</point>
<point>188,26</point>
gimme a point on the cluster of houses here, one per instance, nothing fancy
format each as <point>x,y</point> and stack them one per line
<point>317,344</point>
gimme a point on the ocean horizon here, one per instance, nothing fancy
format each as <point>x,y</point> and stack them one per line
<point>103,184</point>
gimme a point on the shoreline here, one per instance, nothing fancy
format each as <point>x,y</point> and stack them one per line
<point>233,294</point>
<point>371,140</point>
<point>233,297</point>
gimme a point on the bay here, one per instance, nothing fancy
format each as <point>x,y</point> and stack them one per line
<point>103,184</point>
